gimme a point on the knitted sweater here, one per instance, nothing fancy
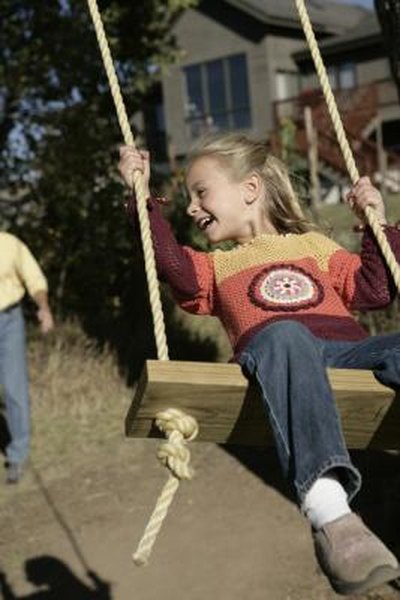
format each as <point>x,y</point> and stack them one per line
<point>306,277</point>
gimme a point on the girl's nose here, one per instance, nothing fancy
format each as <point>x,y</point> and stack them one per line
<point>192,208</point>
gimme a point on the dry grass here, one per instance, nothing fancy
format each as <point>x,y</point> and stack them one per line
<point>79,399</point>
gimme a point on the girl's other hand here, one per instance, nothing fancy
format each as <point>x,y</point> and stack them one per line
<point>132,159</point>
<point>364,194</point>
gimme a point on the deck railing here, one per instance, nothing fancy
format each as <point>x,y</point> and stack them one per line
<point>358,107</point>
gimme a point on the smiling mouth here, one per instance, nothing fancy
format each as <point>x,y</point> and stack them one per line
<point>205,222</point>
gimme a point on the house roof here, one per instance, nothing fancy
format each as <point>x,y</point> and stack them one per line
<point>326,16</point>
<point>366,34</point>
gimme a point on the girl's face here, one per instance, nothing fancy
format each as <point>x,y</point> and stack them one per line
<point>224,209</point>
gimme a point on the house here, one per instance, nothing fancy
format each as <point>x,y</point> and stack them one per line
<point>245,65</point>
<point>356,61</point>
<point>359,51</point>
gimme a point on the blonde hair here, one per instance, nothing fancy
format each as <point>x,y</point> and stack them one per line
<point>242,156</point>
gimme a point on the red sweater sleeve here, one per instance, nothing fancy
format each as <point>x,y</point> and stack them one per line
<point>188,272</point>
<point>363,280</point>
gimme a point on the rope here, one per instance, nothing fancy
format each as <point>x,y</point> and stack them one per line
<point>342,139</point>
<point>138,181</point>
<point>178,427</point>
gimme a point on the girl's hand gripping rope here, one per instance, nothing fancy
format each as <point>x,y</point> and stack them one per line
<point>364,194</point>
<point>132,159</point>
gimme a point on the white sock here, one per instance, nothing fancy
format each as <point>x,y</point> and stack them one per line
<point>325,501</point>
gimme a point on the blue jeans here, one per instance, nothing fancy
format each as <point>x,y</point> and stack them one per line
<point>14,381</point>
<point>289,364</point>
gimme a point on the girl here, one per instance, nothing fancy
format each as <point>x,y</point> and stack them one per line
<point>284,296</point>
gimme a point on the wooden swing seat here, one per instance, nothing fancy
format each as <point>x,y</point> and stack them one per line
<point>229,410</point>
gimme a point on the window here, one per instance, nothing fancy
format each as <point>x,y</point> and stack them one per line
<point>347,76</point>
<point>287,84</point>
<point>342,76</point>
<point>217,95</point>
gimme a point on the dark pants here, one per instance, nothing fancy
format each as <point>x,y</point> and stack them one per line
<point>289,364</point>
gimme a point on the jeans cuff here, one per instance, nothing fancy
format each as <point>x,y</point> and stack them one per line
<point>348,476</point>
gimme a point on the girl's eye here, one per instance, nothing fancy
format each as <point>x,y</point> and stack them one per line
<point>201,193</point>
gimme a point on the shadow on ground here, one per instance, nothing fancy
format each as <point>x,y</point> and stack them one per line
<point>55,581</point>
<point>378,502</point>
<point>379,499</point>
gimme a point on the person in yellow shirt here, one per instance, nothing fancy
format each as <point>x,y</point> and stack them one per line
<point>19,272</point>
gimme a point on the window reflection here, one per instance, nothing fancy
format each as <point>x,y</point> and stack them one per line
<point>218,95</point>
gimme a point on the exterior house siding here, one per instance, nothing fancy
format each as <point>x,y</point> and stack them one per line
<point>372,70</point>
<point>203,39</point>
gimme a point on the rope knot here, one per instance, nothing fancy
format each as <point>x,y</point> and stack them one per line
<point>179,429</point>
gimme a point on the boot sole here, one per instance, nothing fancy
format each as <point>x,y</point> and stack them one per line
<point>377,577</point>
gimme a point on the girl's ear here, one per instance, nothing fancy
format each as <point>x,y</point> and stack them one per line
<point>253,186</point>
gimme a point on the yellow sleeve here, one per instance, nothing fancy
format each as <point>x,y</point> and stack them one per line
<point>29,270</point>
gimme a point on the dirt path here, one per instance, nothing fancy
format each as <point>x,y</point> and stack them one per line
<point>231,534</point>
